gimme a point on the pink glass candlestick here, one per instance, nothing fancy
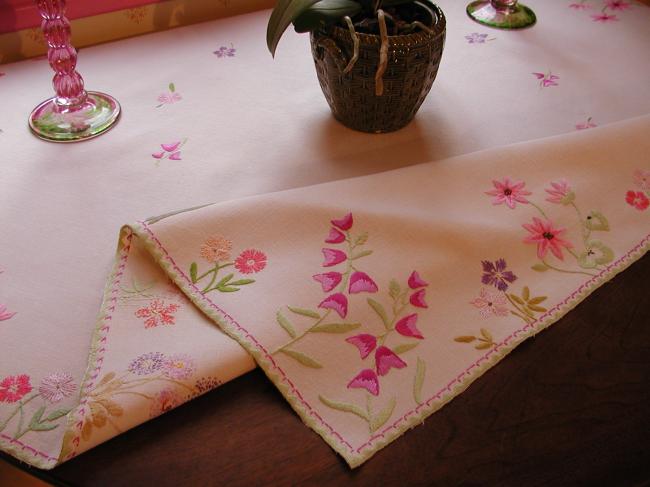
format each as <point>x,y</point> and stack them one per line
<point>74,113</point>
<point>501,14</point>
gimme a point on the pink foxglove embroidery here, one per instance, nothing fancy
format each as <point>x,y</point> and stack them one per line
<point>169,151</point>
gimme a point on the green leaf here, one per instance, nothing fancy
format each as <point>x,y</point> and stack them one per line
<point>486,334</point>
<point>363,238</point>
<point>516,299</point>
<point>225,280</point>
<point>227,289</point>
<point>304,312</point>
<point>465,339</point>
<point>303,359</point>
<point>484,345</point>
<point>241,282</point>
<point>361,254</point>
<point>597,222</point>
<point>56,414</point>
<point>325,12</point>
<point>193,272</point>
<point>286,324</point>
<point>43,427</point>
<point>525,293</point>
<point>172,87</point>
<point>285,12</point>
<point>420,371</point>
<point>335,327</point>
<point>404,347</point>
<point>394,289</point>
<point>541,267</point>
<point>381,312</point>
<point>345,407</point>
<point>378,421</point>
<point>36,418</point>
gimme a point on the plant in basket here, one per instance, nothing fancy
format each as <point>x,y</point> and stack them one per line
<point>375,59</point>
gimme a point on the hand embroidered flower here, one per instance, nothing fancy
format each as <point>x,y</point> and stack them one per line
<point>179,366</point>
<point>580,6</point>
<point>14,387</point>
<point>365,342</point>
<point>170,97</point>
<point>250,261</point>
<point>546,236</point>
<point>4,313</point>
<point>333,257</point>
<point>547,80</point>
<point>642,179</point>
<point>495,274</point>
<point>360,282</point>
<point>490,303</point>
<point>560,192</point>
<point>476,38</point>
<point>337,302</point>
<point>508,192</point>
<point>637,199</point>
<point>56,387</point>
<point>164,401</point>
<point>604,18</point>
<point>224,51</point>
<point>328,280</point>
<point>415,281</point>
<point>147,363</point>
<point>171,151</point>
<point>366,379</point>
<point>617,4</point>
<point>386,359</point>
<point>157,313</point>
<point>344,223</point>
<point>596,253</point>
<point>335,236</point>
<point>407,326</point>
<point>417,299</point>
<point>215,249</point>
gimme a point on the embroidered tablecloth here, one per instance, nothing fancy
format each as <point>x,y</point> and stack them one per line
<point>199,126</point>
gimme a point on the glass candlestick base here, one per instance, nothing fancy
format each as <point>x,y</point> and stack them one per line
<point>94,116</point>
<point>505,14</point>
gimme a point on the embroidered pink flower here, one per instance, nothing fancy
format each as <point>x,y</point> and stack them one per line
<point>335,236</point>
<point>171,151</point>
<point>546,236</point>
<point>588,124</point>
<point>170,97</point>
<point>366,379</point>
<point>415,281</point>
<point>547,80</point>
<point>215,249</point>
<point>491,303</point>
<point>224,51</point>
<point>407,326</point>
<point>360,282</point>
<point>164,401</point>
<point>338,302</point>
<point>14,387</point>
<point>158,313</point>
<point>637,199</point>
<point>508,192</point>
<point>386,359</point>
<point>476,38</point>
<point>580,6</point>
<point>417,299</point>
<point>333,257</point>
<point>170,147</point>
<point>158,155</point>
<point>560,192</point>
<point>642,179</point>
<point>179,366</point>
<point>604,18</point>
<point>250,261</point>
<point>176,156</point>
<point>344,223</point>
<point>56,387</point>
<point>4,313</point>
<point>328,280</point>
<point>365,342</point>
<point>617,4</point>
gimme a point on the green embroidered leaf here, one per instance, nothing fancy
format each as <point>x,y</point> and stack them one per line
<point>394,289</point>
<point>303,359</point>
<point>486,334</point>
<point>241,282</point>
<point>378,421</point>
<point>56,414</point>
<point>484,345</point>
<point>224,280</point>
<point>361,254</point>
<point>286,324</point>
<point>345,407</point>
<point>361,239</point>
<point>335,327</point>
<point>537,300</point>
<point>36,418</point>
<point>541,267</point>
<point>43,427</point>
<point>420,371</point>
<point>516,299</point>
<point>227,289</point>
<point>304,312</point>
<point>193,272</point>
<point>404,347</point>
<point>172,87</point>
<point>465,339</point>
<point>538,309</point>
<point>381,312</point>
<point>597,222</point>
<point>525,293</point>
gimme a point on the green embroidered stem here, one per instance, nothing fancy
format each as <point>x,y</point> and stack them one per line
<point>396,314</point>
<point>523,315</point>
<point>538,209</point>
<point>586,232</point>
<point>215,272</point>
<point>298,337</point>
<point>18,408</point>
<point>565,270</point>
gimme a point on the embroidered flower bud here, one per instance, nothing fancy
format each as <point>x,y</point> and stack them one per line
<point>344,223</point>
<point>360,282</point>
<point>338,302</point>
<point>386,359</point>
<point>417,299</point>
<point>158,155</point>
<point>328,280</point>
<point>365,342</point>
<point>407,326</point>
<point>335,236</point>
<point>366,379</point>
<point>415,281</point>
<point>333,257</point>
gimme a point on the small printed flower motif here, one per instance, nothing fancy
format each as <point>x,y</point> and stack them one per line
<point>617,4</point>
<point>337,302</point>
<point>596,253</point>
<point>546,236</point>
<point>490,303</point>
<point>588,124</point>
<point>250,261</point>
<point>335,236</point>
<point>547,80</point>
<point>14,387</point>
<point>164,401</point>
<point>407,326</point>
<point>508,192</point>
<point>365,342</point>
<point>158,313</point>
<point>415,281</point>
<point>417,299</point>
<point>637,199</point>
<point>328,280</point>
<point>4,313</point>
<point>642,179</point>
<point>179,366</point>
<point>580,6</point>
<point>386,359</point>
<point>366,379</point>
<point>344,223</point>
<point>495,274</point>
<point>333,257</point>
<point>604,18</point>
<point>56,387</point>
<point>224,51</point>
<point>560,192</point>
<point>147,363</point>
<point>360,282</point>
<point>476,38</point>
<point>215,249</point>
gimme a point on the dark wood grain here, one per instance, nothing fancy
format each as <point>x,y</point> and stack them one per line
<point>568,407</point>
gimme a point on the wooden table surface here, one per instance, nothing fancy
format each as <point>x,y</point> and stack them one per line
<point>568,407</point>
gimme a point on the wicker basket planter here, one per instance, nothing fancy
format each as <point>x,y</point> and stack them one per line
<point>413,62</point>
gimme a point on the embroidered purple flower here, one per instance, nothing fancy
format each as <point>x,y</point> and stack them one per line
<point>366,379</point>
<point>417,299</point>
<point>335,236</point>
<point>164,401</point>
<point>224,51</point>
<point>547,237</point>
<point>4,313</point>
<point>344,223</point>
<point>642,179</point>
<point>604,18</point>
<point>407,326</point>
<point>476,38</point>
<point>147,363</point>
<point>56,387</point>
<point>508,192</point>
<point>328,280</point>
<point>386,359</point>
<point>14,387</point>
<point>617,4</point>
<point>179,366</point>
<point>365,342</point>
<point>588,124</point>
<point>560,192</point>
<point>495,274</point>
<point>333,257</point>
<point>490,303</point>
<point>360,282</point>
<point>338,302</point>
<point>547,80</point>
<point>415,281</point>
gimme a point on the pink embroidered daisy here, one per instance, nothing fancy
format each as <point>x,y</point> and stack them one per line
<point>547,237</point>
<point>491,303</point>
<point>637,199</point>
<point>14,387</point>
<point>165,400</point>
<point>215,249</point>
<point>250,261</point>
<point>158,313</point>
<point>604,18</point>
<point>642,179</point>
<point>560,192</point>
<point>179,366</point>
<point>508,192</point>
<point>56,387</point>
